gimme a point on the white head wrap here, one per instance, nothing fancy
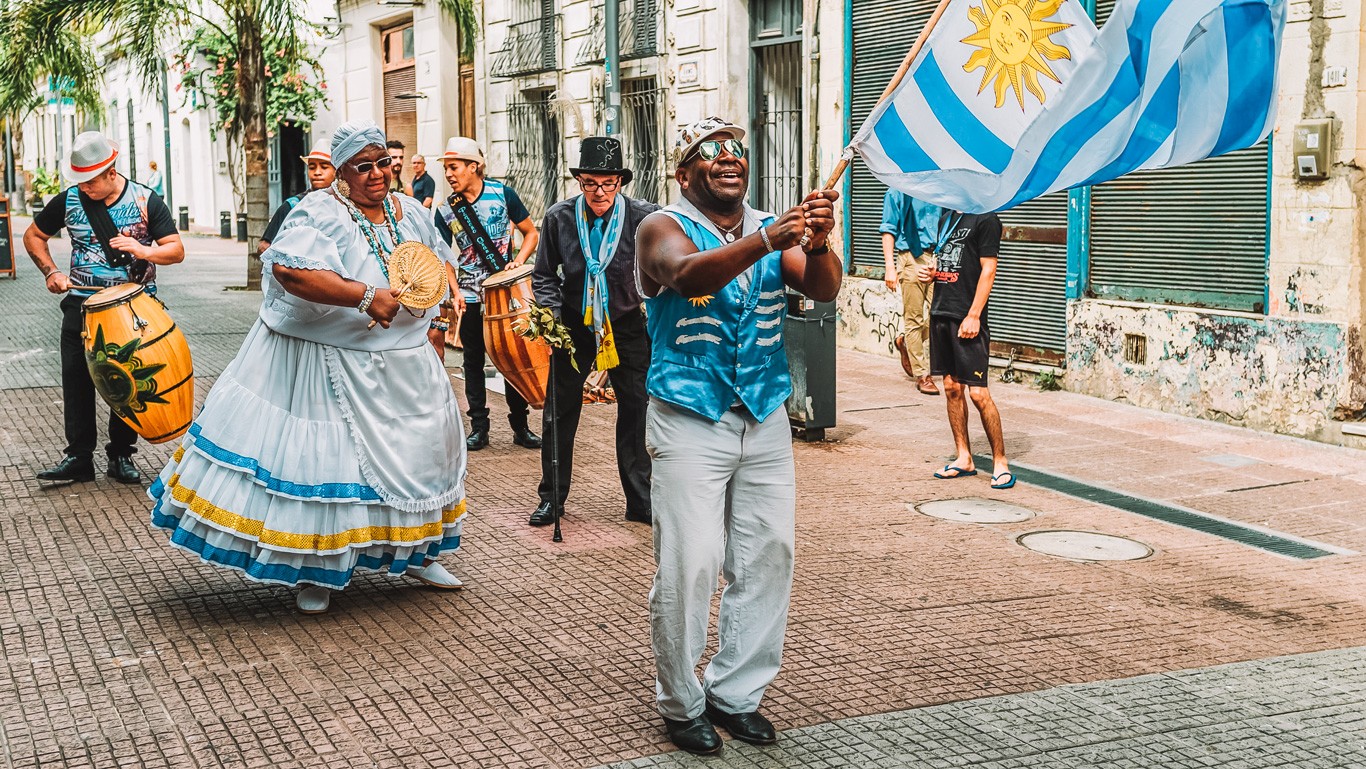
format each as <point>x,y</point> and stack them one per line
<point>352,137</point>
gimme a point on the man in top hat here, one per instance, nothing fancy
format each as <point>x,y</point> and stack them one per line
<point>477,220</point>
<point>586,273</point>
<point>120,230</point>
<point>715,274</point>
<point>320,174</point>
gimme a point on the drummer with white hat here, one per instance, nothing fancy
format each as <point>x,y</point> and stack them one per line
<point>321,172</point>
<point>120,230</point>
<point>477,220</point>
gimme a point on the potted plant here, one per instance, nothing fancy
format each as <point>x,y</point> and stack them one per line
<point>46,182</point>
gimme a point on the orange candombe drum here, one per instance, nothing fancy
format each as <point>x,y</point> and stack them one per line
<point>524,363</point>
<point>139,361</point>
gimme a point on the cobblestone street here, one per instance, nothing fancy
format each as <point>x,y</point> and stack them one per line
<point>914,640</point>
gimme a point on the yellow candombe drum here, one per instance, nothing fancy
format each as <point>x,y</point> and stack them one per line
<point>139,361</point>
<point>524,363</point>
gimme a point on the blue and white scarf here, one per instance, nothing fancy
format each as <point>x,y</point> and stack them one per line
<point>596,257</point>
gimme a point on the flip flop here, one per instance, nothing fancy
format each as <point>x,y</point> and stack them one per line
<point>1007,485</point>
<point>950,472</point>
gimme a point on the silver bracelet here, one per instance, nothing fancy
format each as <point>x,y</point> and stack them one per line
<point>365,301</point>
<point>763,235</point>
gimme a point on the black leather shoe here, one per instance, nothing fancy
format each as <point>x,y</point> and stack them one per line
<point>694,735</point>
<point>526,439</point>
<point>478,439</point>
<point>544,515</point>
<point>122,470</point>
<point>70,469</point>
<point>747,727</point>
<point>645,517</point>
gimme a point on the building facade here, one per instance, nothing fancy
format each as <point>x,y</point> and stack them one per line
<point>1229,289</point>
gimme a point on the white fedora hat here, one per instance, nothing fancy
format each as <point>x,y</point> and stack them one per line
<point>91,154</point>
<point>322,150</point>
<point>463,148</point>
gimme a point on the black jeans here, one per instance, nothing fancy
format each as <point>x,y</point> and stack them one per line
<point>78,393</point>
<point>476,391</point>
<point>628,380</point>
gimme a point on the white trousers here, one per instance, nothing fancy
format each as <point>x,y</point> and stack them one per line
<point>724,499</point>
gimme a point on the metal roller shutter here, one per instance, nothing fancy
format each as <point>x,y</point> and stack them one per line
<point>884,31</point>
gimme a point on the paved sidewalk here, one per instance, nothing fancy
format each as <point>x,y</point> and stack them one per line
<point>116,650</point>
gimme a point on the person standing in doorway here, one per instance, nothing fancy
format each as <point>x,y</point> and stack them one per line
<point>715,273</point>
<point>424,186</point>
<point>477,220</point>
<point>586,274</point>
<point>120,231</point>
<point>321,173</point>
<point>960,336</point>
<point>908,231</point>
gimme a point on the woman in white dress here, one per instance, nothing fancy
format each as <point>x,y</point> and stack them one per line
<point>326,446</point>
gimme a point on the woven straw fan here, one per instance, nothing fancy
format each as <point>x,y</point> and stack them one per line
<point>417,275</point>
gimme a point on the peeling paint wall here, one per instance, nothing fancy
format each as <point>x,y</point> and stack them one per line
<point>869,316</point>
<point>1266,373</point>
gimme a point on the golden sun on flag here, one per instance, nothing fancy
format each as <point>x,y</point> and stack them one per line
<point>1012,38</point>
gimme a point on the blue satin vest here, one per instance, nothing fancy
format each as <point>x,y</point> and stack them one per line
<point>706,355</point>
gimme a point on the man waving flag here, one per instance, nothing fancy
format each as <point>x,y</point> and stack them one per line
<point>1012,99</point>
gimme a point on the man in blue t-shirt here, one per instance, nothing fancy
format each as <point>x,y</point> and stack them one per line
<point>909,227</point>
<point>120,230</point>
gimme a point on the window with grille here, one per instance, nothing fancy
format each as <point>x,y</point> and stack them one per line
<point>642,135</point>
<point>534,166</point>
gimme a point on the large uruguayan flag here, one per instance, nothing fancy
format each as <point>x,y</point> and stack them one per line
<point>1012,99</point>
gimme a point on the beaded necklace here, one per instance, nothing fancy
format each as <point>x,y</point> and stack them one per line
<point>370,230</point>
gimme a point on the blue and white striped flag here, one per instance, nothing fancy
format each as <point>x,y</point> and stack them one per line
<point>1012,99</point>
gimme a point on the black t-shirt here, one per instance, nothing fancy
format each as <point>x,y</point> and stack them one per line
<point>278,218</point>
<point>160,221</point>
<point>424,187</point>
<point>967,239</point>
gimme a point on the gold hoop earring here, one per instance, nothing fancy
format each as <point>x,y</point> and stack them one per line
<point>343,188</point>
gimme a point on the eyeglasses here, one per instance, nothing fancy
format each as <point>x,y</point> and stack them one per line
<point>370,165</point>
<point>711,149</point>
<point>595,186</point>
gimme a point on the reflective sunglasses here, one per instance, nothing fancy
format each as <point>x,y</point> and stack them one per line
<point>370,165</point>
<point>711,149</point>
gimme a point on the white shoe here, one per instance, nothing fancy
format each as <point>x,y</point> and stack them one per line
<point>313,599</point>
<point>435,574</point>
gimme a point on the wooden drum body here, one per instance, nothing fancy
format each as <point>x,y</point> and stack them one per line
<point>139,361</point>
<point>524,363</point>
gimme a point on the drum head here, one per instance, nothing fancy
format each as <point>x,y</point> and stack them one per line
<point>508,276</point>
<point>113,295</point>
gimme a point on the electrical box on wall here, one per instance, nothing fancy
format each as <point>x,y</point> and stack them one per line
<point>1313,149</point>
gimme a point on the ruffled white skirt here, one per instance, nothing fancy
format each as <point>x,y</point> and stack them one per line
<point>309,461</point>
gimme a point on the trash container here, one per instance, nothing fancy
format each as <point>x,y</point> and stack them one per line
<point>241,228</point>
<point>184,218</point>
<point>225,224</point>
<point>809,336</point>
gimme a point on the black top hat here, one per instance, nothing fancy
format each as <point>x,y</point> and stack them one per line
<point>601,155</point>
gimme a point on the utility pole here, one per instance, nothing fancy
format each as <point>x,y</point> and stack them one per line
<point>611,65</point>
<point>60,127</point>
<point>166,175</point>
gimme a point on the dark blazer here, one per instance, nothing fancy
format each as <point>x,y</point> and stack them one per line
<point>559,272</point>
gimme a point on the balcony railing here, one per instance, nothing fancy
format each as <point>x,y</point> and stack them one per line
<point>638,31</point>
<point>531,46</point>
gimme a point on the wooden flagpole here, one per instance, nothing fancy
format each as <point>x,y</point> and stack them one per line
<point>896,80</point>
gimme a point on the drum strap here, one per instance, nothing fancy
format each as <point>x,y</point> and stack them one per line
<point>102,225</point>
<point>488,254</point>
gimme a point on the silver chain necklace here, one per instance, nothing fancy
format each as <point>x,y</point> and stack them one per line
<point>729,233</point>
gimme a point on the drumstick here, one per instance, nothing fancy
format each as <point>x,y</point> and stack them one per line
<point>401,291</point>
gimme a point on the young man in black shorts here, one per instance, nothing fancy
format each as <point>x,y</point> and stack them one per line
<point>960,340</point>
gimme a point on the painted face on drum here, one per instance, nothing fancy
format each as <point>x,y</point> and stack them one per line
<point>719,183</point>
<point>368,189</point>
<point>320,173</point>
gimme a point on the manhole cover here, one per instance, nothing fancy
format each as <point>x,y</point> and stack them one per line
<point>974,510</point>
<point>1084,545</point>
